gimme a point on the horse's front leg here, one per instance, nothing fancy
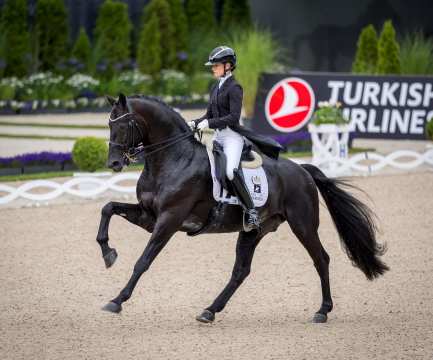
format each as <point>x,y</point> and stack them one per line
<point>134,213</point>
<point>166,225</point>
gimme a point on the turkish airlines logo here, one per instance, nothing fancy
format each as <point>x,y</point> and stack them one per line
<point>289,104</point>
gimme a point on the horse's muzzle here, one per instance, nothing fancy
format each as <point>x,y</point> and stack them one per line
<point>115,165</point>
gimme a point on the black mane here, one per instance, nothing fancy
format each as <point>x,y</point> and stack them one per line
<point>156,99</point>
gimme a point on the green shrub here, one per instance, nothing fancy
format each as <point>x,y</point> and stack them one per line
<point>256,52</point>
<point>90,153</point>
<point>160,10</point>
<point>388,61</point>
<point>15,37</point>
<point>200,83</point>
<point>112,34</point>
<point>180,24</point>
<point>82,50</point>
<point>416,55</point>
<point>201,16</point>
<point>366,53</point>
<point>429,129</point>
<point>52,33</point>
<point>149,52</point>
<point>236,14</point>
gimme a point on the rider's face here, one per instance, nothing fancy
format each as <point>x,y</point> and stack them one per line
<point>218,69</point>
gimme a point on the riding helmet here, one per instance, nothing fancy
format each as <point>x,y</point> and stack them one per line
<point>222,54</point>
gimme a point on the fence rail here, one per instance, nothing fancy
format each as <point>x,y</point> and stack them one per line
<point>90,187</point>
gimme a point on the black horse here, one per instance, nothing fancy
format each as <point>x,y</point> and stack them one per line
<point>174,193</point>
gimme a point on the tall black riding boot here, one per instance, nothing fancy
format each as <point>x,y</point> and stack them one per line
<point>244,196</point>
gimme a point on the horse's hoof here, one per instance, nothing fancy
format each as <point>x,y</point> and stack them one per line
<point>206,317</point>
<point>320,318</point>
<point>110,258</point>
<point>112,307</point>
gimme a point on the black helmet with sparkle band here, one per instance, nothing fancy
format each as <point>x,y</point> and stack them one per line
<point>222,54</point>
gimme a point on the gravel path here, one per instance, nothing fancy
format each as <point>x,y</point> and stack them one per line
<point>53,283</point>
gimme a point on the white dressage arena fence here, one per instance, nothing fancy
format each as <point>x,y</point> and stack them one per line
<point>330,153</point>
<point>90,187</point>
<point>80,186</point>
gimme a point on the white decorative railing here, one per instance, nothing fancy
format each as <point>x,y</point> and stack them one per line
<point>91,187</point>
<point>84,187</point>
<point>376,162</point>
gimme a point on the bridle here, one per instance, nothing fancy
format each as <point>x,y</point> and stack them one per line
<point>130,152</point>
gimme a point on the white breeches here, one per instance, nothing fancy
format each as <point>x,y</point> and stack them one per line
<point>232,144</point>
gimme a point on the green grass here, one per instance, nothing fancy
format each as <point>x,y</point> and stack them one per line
<point>40,137</point>
<point>66,126</point>
<point>55,174</point>
<point>416,55</point>
<point>257,52</point>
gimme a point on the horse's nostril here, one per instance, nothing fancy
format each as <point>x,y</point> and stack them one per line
<point>114,164</point>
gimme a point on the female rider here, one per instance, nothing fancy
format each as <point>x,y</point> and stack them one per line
<point>223,115</point>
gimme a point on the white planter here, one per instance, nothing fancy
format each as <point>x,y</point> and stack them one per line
<point>330,144</point>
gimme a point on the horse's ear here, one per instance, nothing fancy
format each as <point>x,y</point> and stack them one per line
<point>122,100</point>
<point>111,100</point>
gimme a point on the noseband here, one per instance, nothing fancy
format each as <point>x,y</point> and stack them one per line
<point>130,152</point>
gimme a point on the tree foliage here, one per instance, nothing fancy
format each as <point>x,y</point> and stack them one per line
<point>201,15</point>
<point>366,53</point>
<point>52,33</point>
<point>388,61</point>
<point>112,34</point>
<point>236,14</point>
<point>15,40</point>
<point>160,9</point>
<point>180,24</point>
<point>149,48</point>
<point>82,49</point>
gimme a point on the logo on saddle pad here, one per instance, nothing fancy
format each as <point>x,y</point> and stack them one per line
<point>257,184</point>
<point>289,104</point>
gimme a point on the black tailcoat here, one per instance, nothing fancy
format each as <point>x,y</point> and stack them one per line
<point>224,109</point>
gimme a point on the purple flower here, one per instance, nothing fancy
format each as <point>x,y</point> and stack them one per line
<point>182,55</point>
<point>42,158</point>
<point>287,139</point>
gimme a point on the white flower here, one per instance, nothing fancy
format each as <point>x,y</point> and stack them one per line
<point>70,104</point>
<point>134,78</point>
<point>169,74</point>
<point>81,81</point>
<point>83,101</point>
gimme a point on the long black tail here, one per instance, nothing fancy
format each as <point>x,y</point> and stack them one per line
<point>354,222</point>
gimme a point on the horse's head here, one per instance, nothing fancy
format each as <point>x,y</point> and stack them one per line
<point>142,124</point>
<point>125,132</point>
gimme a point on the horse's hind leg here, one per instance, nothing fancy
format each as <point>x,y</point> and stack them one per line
<point>247,242</point>
<point>306,232</point>
<point>130,212</point>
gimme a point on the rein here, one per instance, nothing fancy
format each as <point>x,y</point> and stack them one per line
<point>131,152</point>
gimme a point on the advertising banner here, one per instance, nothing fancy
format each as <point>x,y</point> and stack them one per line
<point>387,107</point>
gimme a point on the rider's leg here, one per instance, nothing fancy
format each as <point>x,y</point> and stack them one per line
<point>233,144</point>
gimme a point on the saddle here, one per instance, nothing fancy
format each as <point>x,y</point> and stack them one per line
<point>249,160</point>
<point>254,175</point>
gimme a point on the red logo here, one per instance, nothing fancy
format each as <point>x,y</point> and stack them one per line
<point>289,104</point>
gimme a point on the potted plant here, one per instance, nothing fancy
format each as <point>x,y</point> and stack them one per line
<point>329,131</point>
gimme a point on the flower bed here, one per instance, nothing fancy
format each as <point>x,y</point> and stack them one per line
<point>47,92</point>
<point>36,162</point>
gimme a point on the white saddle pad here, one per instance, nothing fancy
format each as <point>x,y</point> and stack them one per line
<point>255,179</point>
